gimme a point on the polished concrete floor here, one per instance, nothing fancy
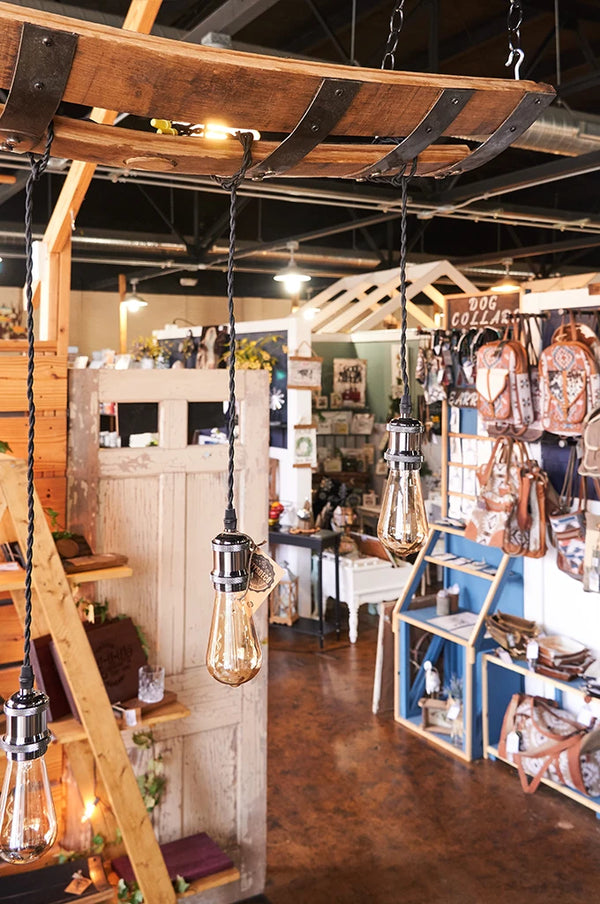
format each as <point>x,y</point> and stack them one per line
<point>360,810</point>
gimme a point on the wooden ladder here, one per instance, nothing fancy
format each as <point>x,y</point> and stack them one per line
<point>55,613</point>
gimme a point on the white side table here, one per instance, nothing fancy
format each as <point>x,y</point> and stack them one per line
<point>366,580</point>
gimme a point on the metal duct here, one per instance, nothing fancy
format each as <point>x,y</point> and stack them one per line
<point>564,132</point>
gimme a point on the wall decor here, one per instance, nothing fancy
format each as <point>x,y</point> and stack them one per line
<point>304,372</point>
<point>305,445</point>
<point>350,381</point>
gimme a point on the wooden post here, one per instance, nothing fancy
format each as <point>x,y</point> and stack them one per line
<point>54,308</point>
<point>122,314</point>
<point>52,595</point>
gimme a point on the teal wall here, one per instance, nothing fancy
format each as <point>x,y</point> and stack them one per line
<point>379,370</point>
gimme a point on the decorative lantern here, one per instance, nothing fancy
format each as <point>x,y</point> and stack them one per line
<point>283,602</point>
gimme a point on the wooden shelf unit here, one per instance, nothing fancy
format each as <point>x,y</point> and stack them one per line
<point>518,667</point>
<point>406,710</point>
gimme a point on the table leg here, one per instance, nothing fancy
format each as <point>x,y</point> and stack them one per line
<point>336,551</point>
<point>320,596</point>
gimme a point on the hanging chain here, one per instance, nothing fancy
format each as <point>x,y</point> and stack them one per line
<point>406,401</point>
<point>231,185</point>
<point>514,20</point>
<point>396,23</point>
<point>37,168</point>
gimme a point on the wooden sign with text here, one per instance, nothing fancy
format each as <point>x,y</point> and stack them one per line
<point>491,309</point>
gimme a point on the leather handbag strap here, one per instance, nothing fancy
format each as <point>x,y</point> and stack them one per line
<point>498,450</point>
<point>550,754</point>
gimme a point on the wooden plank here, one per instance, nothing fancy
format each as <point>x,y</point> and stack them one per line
<point>173,424</point>
<point>50,436</point>
<point>151,385</point>
<point>97,144</point>
<point>192,83</point>
<point>15,580</point>
<point>52,594</point>
<point>11,635</point>
<point>216,880</point>
<point>170,591</point>
<point>153,461</point>
<point>50,383</point>
<point>52,492</point>
<point>69,730</point>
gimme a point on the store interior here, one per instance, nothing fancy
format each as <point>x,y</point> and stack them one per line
<point>299,451</point>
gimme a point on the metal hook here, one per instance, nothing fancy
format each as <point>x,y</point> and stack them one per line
<point>515,52</point>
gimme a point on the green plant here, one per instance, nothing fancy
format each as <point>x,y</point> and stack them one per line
<point>146,347</point>
<point>57,532</point>
<point>152,782</point>
<point>129,891</point>
<point>4,447</point>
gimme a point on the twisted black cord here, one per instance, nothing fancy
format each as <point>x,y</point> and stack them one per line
<point>37,168</point>
<point>231,184</point>
<point>406,401</point>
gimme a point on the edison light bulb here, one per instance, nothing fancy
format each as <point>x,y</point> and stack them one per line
<point>402,526</point>
<point>27,817</point>
<point>234,655</point>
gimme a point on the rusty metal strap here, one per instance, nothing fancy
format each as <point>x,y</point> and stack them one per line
<point>42,68</point>
<point>324,112</point>
<point>523,116</point>
<point>443,112</point>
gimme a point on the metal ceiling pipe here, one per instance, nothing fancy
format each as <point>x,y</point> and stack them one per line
<point>560,131</point>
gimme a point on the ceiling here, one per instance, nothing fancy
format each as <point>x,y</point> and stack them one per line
<point>540,209</point>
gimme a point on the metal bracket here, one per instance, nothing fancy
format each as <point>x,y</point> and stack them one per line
<point>523,116</point>
<point>42,69</point>
<point>444,111</point>
<point>324,111</point>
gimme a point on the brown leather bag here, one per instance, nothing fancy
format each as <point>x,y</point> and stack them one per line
<point>590,463</point>
<point>570,383</point>
<point>551,743</point>
<point>525,532</point>
<point>511,632</point>
<point>499,480</point>
<point>503,387</point>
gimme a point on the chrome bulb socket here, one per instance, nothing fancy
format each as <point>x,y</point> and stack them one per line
<point>231,561</point>
<point>27,736</point>
<point>404,450</point>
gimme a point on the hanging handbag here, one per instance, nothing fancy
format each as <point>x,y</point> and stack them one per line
<point>551,743</point>
<point>569,381</point>
<point>590,462</point>
<point>499,480</point>
<point>503,384</point>
<point>525,533</point>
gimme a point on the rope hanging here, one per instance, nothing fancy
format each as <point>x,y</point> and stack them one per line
<point>38,166</point>
<point>231,184</point>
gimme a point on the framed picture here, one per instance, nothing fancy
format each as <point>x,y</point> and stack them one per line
<point>321,402</point>
<point>350,381</point>
<point>305,446</point>
<point>335,400</point>
<point>304,373</point>
<point>434,715</point>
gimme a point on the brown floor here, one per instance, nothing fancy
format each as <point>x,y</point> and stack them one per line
<point>360,810</point>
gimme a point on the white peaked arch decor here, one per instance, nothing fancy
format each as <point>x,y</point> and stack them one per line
<point>363,302</point>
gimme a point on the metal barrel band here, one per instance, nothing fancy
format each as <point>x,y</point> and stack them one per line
<point>524,115</point>
<point>333,98</point>
<point>42,69</point>
<point>441,114</point>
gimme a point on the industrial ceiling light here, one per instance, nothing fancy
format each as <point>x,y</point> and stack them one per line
<point>507,283</point>
<point>402,526</point>
<point>291,276</point>
<point>132,301</point>
<point>27,817</point>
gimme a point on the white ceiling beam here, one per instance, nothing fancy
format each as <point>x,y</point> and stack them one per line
<point>229,18</point>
